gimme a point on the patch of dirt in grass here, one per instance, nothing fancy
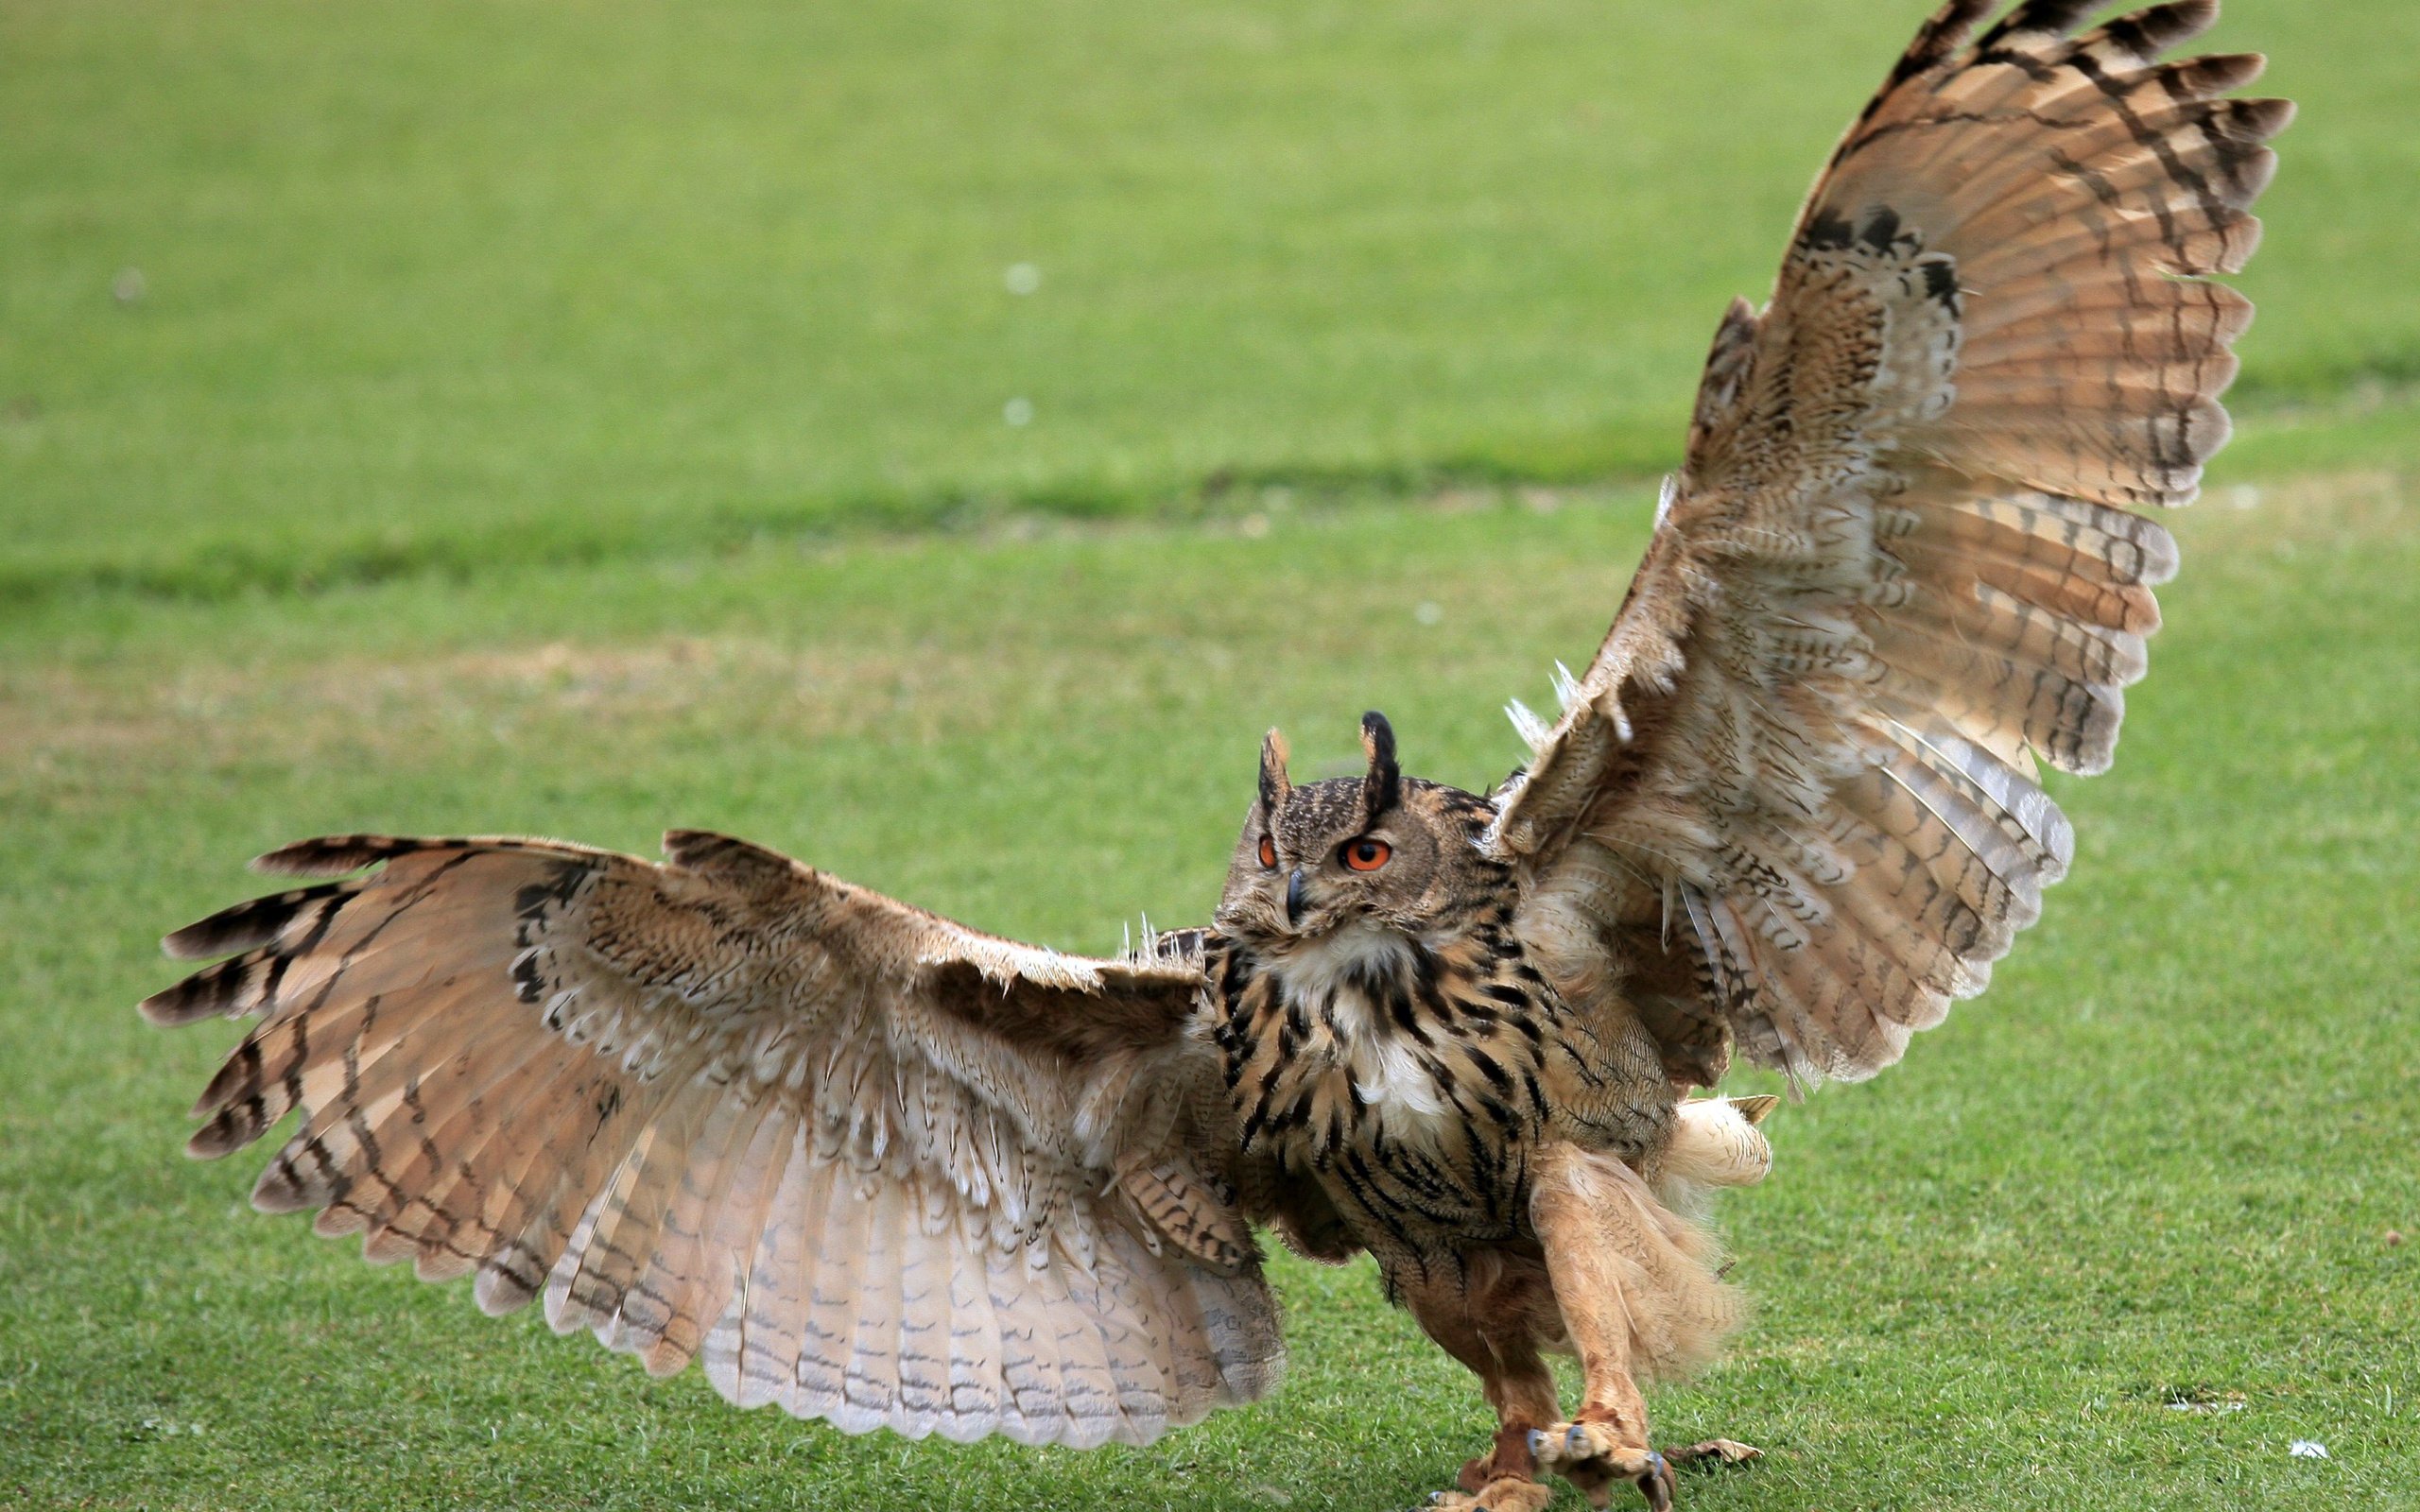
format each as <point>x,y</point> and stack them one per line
<point>63,727</point>
<point>53,717</point>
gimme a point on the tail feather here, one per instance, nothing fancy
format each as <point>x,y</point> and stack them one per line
<point>1715,1139</point>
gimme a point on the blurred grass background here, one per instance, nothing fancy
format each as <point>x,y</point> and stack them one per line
<point>528,417</point>
<point>299,291</point>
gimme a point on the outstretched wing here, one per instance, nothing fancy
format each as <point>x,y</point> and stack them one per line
<point>1794,798</point>
<point>863,1162</point>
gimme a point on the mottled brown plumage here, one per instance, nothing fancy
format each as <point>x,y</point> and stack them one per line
<point>728,1108</point>
<point>886,1171</point>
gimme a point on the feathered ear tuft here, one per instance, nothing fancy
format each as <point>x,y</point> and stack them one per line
<point>1383,788</point>
<point>1274,784</point>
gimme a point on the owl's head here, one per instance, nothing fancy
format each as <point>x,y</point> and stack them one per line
<point>1381,852</point>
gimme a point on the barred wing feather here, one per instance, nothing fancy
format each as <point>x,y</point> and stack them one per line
<point>858,1161</point>
<point>1794,798</point>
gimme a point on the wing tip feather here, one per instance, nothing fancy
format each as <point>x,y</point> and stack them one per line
<point>336,855</point>
<point>225,990</point>
<point>165,1008</point>
<point>277,1192</point>
<point>712,853</point>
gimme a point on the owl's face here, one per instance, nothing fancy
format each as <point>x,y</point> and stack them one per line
<point>1381,853</point>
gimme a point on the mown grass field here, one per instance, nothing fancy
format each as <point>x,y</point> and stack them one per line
<point>433,285</point>
<point>2157,1163</point>
<point>495,443</point>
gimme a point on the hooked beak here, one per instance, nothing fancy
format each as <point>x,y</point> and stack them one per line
<point>1295,897</point>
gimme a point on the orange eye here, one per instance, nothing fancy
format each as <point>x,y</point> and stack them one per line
<point>1366,854</point>
<point>1269,853</point>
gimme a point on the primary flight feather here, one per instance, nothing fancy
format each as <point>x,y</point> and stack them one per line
<point>886,1170</point>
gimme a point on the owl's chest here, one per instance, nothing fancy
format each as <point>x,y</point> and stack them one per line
<point>1410,1082</point>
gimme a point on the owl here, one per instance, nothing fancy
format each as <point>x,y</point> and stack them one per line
<point>881,1169</point>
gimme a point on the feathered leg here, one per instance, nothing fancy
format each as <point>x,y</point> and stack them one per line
<point>1636,1294</point>
<point>1486,1321</point>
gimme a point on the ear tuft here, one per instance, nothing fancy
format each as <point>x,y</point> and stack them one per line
<point>1274,784</point>
<point>1383,788</point>
<point>1756,1109</point>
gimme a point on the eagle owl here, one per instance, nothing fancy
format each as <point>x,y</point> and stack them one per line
<point>881,1169</point>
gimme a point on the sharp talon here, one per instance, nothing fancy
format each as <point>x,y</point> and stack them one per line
<point>1657,1485</point>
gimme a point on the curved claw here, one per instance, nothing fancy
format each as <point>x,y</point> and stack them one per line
<point>1657,1484</point>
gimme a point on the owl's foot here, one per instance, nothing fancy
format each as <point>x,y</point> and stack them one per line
<point>1505,1479</point>
<point>1595,1457</point>
<point>1506,1493</point>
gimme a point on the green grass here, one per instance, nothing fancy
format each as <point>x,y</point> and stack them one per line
<point>530,417</point>
<point>2157,1163</point>
<point>441,284</point>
